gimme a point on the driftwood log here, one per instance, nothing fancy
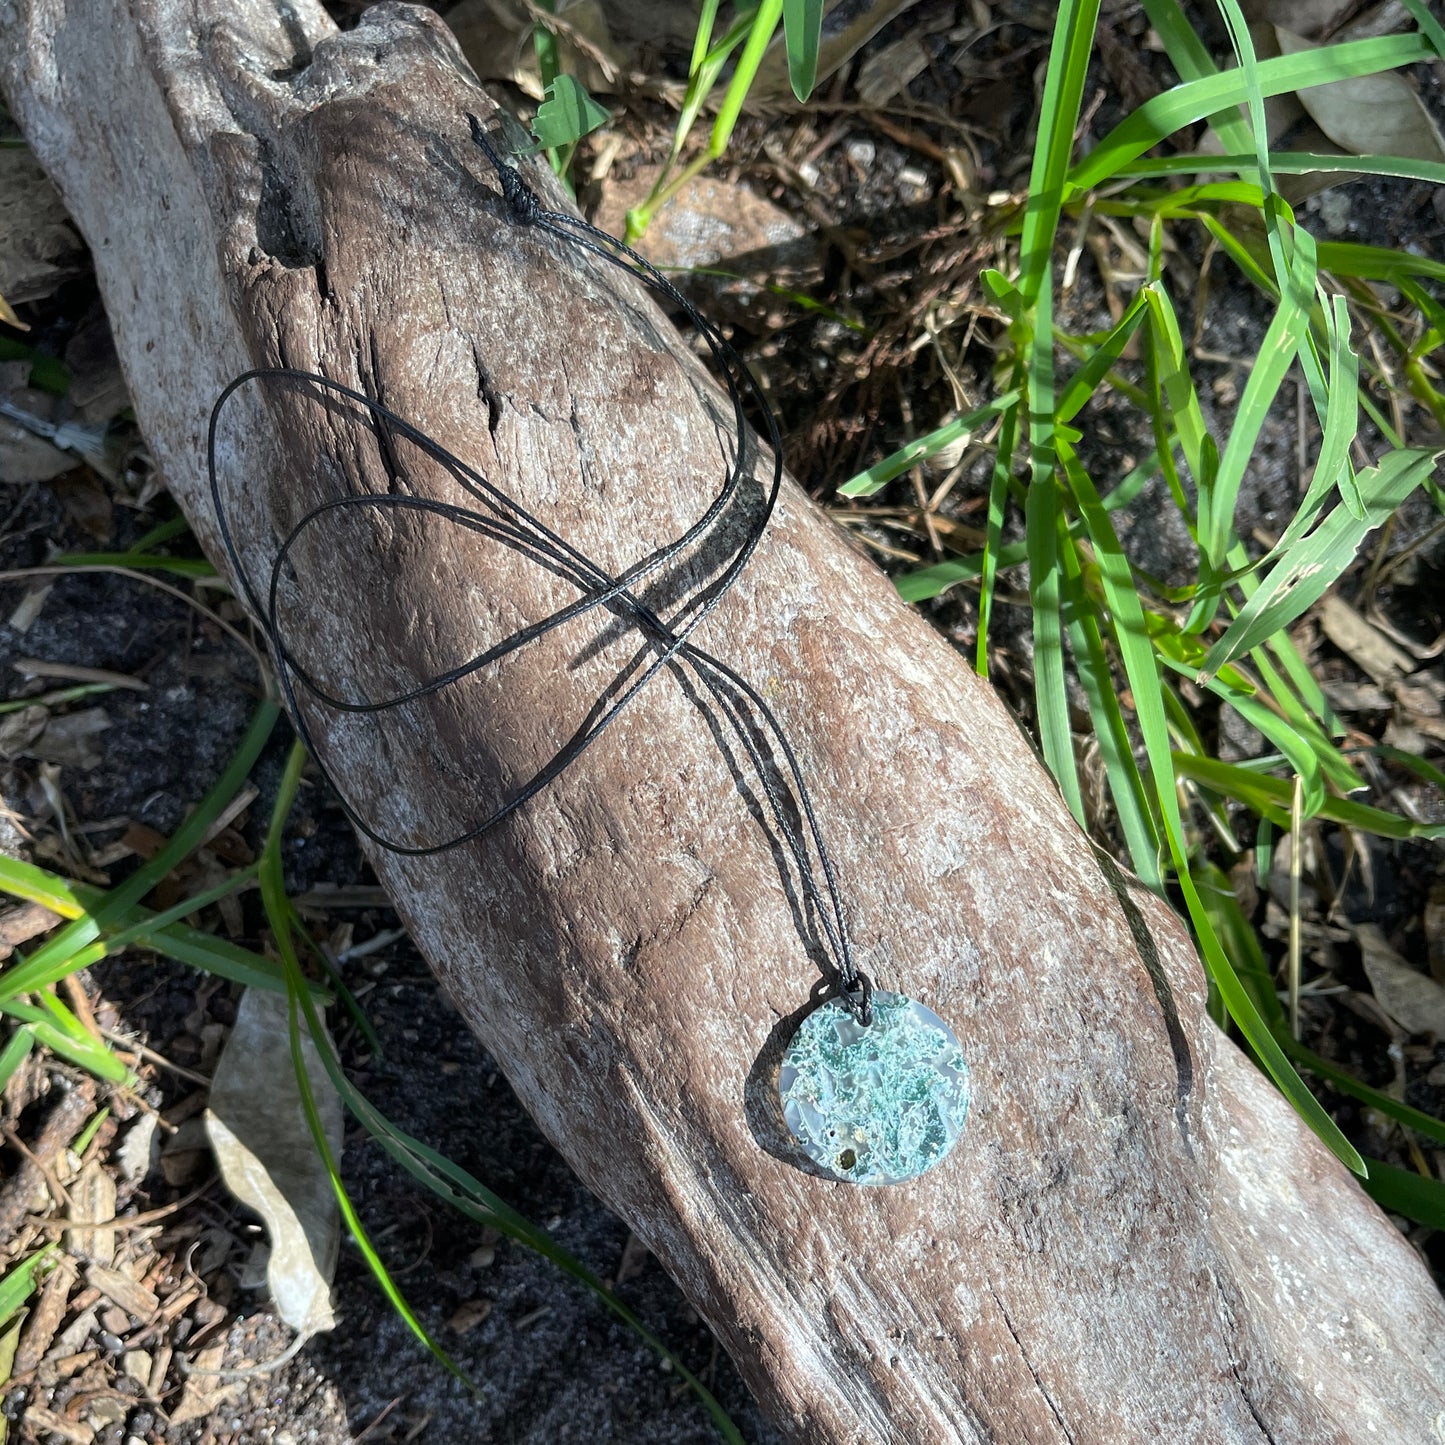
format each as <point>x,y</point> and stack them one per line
<point>1136,1239</point>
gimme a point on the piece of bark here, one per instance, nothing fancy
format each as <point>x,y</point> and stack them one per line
<point>1136,1238</point>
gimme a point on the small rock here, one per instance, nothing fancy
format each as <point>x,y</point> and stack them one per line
<point>468,1315</point>
<point>139,1149</point>
<point>137,1364</point>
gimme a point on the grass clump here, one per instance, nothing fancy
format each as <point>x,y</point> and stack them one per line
<point>1139,649</point>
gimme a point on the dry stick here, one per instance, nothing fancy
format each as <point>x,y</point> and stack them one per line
<point>65,1120</point>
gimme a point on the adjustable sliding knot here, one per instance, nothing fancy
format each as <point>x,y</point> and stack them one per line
<point>857,997</point>
<point>521,199</point>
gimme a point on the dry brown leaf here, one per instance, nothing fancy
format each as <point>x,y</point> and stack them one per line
<point>18,730</point>
<point>847,28</point>
<point>1362,642</point>
<point>38,248</point>
<point>1312,18</point>
<point>1369,114</point>
<point>92,1207</point>
<point>496,38</point>
<point>1433,922</point>
<point>269,1160</point>
<point>68,740</point>
<point>203,1394</point>
<point>890,71</point>
<point>1411,998</point>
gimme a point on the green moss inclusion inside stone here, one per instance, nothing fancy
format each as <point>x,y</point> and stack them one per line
<point>876,1105</point>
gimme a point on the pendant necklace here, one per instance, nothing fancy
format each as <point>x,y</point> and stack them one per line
<point>872,1085</point>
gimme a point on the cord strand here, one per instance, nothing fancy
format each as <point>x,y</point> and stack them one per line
<point>502,518</point>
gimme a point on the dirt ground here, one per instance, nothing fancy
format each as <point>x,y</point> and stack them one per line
<point>881,235</point>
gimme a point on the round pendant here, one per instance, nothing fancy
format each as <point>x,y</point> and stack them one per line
<point>874,1105</point>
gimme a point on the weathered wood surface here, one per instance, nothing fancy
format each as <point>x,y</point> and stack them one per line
<point>1136,1240</point>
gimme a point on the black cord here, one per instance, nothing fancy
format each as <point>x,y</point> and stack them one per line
<point>506,520</point>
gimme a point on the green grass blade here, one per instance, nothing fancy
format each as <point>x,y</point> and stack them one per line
<point>1428,772</point>
<point>138,561</point>
<point>281,918</point>
<point>802,29</point>
<point>1285,163</point>
<point>1335,767</point>
<point>17,1047</point>
<point>186,945</point>
<point>58,1030</point>
<point>993,545</point>
<point>1069,52</point>
<point>159,535</point>
<point>28,978</point>
<point>1090,376</point>
<point>446,1180</point>
<point>702,36</point>
<point>1341,421</point>
<point>1126,785</point>
<point>1402,1191</point>
<point>1270,798</point>
<point>1133,636</point>
<point>1261,1040</point>
<point>1196,99</point>
<point>1346,1083</point>
<point>1277,352</point>
<point>1043,520</point>
<point>1302,577</point>
<point>1174,409</point>
<point>1191,60</point>
<point>1376,263</point>
<point>930,582</point>
<point>762,28</point>
<point>19,1284</point>
<point>181,845</point>
<point>1429,24</point>
<point>881,473</point>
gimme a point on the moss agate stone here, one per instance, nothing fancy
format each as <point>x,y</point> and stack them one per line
<point>874,1105</point>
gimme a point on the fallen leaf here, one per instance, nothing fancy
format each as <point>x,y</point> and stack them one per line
<point>29,608</point>
<point>19,729</point>
<point>92,1207</point>
<point>38,246</point>
<point>891,70</point>
<point>204,1394</point>
<point>847,28</point>
<point>268,1158</point>
<point>1362,642</point>
<point>139,1150</point>
<point>1411,998</point>
<point>1313,18</point>
<point>496,38</point>
<point>67,741</point>
<point>1369,114</point>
